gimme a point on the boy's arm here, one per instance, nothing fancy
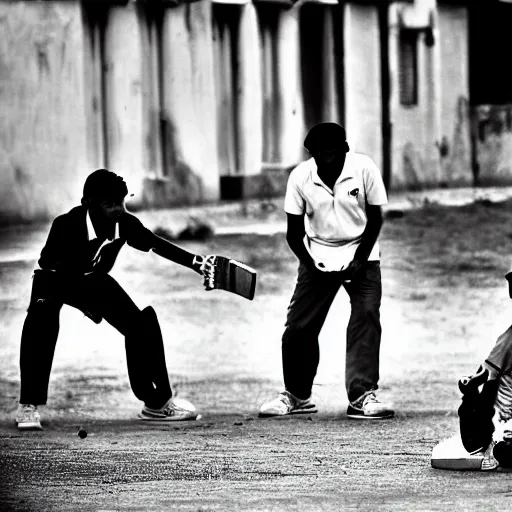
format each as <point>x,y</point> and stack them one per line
<point>370,233</point>
<point>368,238</point>
<point>60,251</point>
<point>295,233</point>
<point>174,253</point>
<point>144,239</point>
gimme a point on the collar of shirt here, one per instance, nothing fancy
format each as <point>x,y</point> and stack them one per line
<point>91,232</point>
<point>346,173</point>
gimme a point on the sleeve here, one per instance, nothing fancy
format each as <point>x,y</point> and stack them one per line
<point>137,235</point>
<point>294,202</point>
<point>56,253</point>
<point>374,185</point>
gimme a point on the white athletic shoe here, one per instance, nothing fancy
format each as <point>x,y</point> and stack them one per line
<point>489,462</point>
<point>28,418</point>
<point>176,409</point>
<point>369,407</point>
<point>286,403</point>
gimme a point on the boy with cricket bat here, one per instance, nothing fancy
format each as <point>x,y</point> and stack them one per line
<point>74,266</point>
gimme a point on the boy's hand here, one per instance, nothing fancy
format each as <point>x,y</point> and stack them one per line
<point>352,270</point>
<point>197,264</point>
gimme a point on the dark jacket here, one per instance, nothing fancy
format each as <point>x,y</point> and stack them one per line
<point>68,250</point>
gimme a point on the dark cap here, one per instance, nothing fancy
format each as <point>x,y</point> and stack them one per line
<point>330,135</point>
<point>104,185</point>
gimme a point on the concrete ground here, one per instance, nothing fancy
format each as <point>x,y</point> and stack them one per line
<point>444,303</point>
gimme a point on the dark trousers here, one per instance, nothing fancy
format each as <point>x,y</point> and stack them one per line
<point>100,296</point>
<point>307,311</point>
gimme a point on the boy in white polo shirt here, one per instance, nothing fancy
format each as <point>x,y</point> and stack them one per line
<point>333,204</point>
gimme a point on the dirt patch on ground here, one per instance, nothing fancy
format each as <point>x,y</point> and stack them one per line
<point>445,301</point>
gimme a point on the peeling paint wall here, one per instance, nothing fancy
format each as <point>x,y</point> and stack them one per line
<point>189,112</point>
<point>455,141</point>
<point>124,96</point>
<point>42,121</point>
<point>415,128</point>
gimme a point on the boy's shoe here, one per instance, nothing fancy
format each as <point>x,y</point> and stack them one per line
<point>176,409</point>
<point>286,403</point>
<point>489,462</point>
<point>369,407</point>
<point>28,418</point>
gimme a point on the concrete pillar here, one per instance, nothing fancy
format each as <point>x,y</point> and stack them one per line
<point>432,86</point>
<point>190,104</point>
<point>363,92</point>
<point>124,98</point>
<point>152,158</point>
<point>292,126</point>
<point>455,148</point>
<point>249,90</point>
<point>330,109</point>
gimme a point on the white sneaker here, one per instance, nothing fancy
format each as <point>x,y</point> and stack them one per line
<point>176,409</point>
<point>286,403</point>
<point>489,462</point>
<point>28,418</point>
<point>369,407</point>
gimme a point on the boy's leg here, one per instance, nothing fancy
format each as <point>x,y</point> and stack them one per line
<point>38,340</point>
<point>145,354</point>
<point>363,332</point>
<point>307,311</point>
<point>39,337</point>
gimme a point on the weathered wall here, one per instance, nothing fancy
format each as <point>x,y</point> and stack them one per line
<point>189,105</point>
<point>124,98</point>
<point>455,141</point>
<point>363,96</point>
<point>42,122</point>
<point>415,129</point>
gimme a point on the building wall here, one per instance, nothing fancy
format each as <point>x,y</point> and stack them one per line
<point>415,128</point>
<point>363,93</point>
<point>177,101</point>
<point>42,120</point>
<point>455,142</point>
<point>124,96</point>
<point>188,111</point>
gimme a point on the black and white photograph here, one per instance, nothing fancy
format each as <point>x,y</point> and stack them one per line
<point>255,255</point>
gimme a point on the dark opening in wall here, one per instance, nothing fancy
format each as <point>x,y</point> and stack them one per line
<point>408,67</point>
<point>489,49</point>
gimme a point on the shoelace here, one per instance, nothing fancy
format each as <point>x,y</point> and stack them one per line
<point>370,397</point>
<point>286,399</point>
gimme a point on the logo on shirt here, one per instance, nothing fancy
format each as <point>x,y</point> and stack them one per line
<point>354,192</point>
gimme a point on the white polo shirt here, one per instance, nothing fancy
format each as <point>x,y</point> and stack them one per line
<point>335,219</point>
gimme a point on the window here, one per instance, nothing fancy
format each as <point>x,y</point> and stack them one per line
<point>408,67</point>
